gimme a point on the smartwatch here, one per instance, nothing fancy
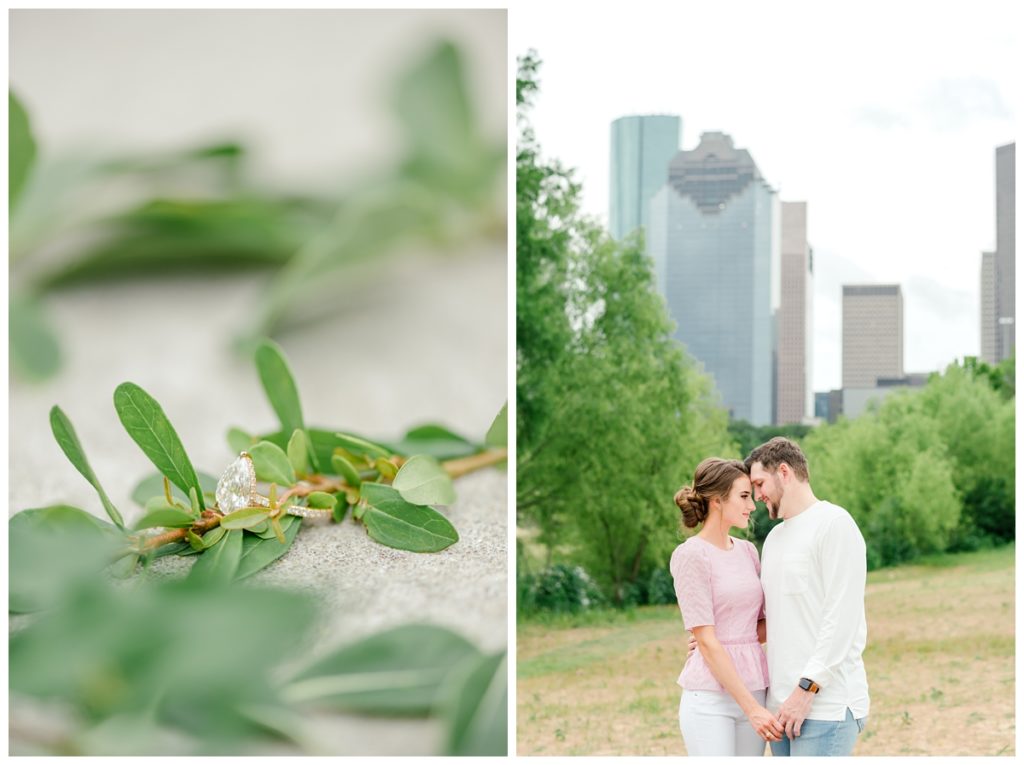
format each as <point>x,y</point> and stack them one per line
<point>809,685</point>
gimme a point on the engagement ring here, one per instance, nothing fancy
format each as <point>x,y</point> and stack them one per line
<point>236,489</point>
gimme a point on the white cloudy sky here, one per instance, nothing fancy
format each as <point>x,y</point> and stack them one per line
<point>883,116</point>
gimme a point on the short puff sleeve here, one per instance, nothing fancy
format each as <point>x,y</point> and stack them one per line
<point>691,573</point>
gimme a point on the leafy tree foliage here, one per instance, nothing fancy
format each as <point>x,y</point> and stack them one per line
<point>613,415</point>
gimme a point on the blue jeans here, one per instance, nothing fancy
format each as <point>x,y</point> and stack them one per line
<point>820,738</point>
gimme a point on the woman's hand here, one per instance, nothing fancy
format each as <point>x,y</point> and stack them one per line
<point>766,724</point>
<point>691,646</point>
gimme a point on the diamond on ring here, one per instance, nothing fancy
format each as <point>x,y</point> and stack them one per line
<point>237,487</point>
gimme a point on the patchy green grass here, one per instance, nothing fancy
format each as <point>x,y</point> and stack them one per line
<point>940,662</point>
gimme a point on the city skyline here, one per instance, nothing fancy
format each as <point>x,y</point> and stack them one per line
<point>881,147</point>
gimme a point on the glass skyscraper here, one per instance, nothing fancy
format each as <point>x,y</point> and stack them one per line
<point>713,234</point>
<point>641,148</point>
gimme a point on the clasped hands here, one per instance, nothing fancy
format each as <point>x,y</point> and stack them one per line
<point>792,713</point>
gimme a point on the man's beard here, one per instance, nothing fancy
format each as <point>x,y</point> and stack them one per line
<point>773,510</point>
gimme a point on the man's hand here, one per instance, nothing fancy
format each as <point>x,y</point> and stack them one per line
<point>794,711</point>
<point>691,646</point>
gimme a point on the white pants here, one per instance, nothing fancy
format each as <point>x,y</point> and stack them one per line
<point>713,724</point>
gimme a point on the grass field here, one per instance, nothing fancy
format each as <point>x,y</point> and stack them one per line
<point>939,658</point>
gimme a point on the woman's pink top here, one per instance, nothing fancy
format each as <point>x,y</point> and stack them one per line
<point>723,588</point>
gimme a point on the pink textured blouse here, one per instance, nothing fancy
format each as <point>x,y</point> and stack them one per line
<point>723,588</point>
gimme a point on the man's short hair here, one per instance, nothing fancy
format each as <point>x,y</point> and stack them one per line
<point>777,451</point>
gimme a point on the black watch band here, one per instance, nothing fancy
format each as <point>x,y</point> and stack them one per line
<point>809,685</point>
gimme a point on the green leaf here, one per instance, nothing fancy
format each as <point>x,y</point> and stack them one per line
<point>436,441</point>
<point>219,563</point>
<point>298,454</point>
<point>213,536</point>
<point>169,549</point>
<point>346,470</point>
<point>340,509</point>
<point>268,533</point>
<point>260,528</point>
<point>258,553</point>
<point>272,464</point>
<point>281,390</point>
<point>401,671</point>
<point>153,485</point>
<point>386,468</point>
<point>125,567</point>
<point>396,523</point>
<point>166,517</point>
<point>477,709</point>
<point>35,352</point>
<point>361,446</point>
<point>21,149</point>
<point>497,434</point>
<point>68,441</point>
<point>149,427</point>
<point>422,481</point>
<point>239,440</point>
<point>52,549</point>
<point>194,540</point>
<point>245,518</point>
<point>193,499</point>
<point>321,500</point>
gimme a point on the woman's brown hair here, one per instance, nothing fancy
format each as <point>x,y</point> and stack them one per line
<point>712,478</point>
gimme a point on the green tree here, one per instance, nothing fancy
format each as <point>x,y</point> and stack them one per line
<point>612,414</point>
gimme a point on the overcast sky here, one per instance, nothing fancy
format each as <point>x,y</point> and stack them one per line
<point>883,120</point>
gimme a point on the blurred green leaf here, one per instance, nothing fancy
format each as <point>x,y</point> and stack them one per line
<point>340,509</point>
<point>497,434</point>
<point>422,481</point>
<point>167,517</point>
<point>21,148</point>
<point>194,540</point>
<point>268,533</point>
<point>165,235</point>
<point>239,440</point>
<point>477,712</point>
<point>213,536</point>
<point>190,654</point>
<point>219,563</point>
<point>149,427</point>
<point>272,464</point>
<point>396,523</point>
<point>435,441</point>
<point>361,446</point>
<point>35,352</point>
<point>51,548</point>
<point>346,470</point>
<point>321,500</point>
<point>68,441</point>
<point>281,390</point>
<point>258,552</point>
<point>400,672</point>
<point>298,454</point>
<point>153,485</point>
<point>245,518</point>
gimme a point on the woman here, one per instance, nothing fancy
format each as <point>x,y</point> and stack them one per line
<point>717,582</point>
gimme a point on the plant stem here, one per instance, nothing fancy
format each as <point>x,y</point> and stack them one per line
<point>459,467</point>
<point>209,520</point>
<point>455,469</point>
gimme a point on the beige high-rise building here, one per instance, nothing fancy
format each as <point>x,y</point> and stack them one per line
<point>989,315</point>
<point>872,334</point>
<point>794,398</point>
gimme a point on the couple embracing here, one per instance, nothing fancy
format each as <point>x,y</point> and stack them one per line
<point>804,598</point>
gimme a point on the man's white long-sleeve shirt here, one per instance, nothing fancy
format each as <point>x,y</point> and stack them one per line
<point>813,570</point>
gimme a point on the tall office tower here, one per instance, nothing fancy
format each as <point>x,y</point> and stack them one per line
<point>794,398</point>
<point>989,315</point>
<point>872,334</point>
<point>1005,248</point>
<point>641,149</point>
<point>714,238</point>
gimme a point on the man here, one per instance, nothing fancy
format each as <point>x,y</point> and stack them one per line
<point>813,571</point>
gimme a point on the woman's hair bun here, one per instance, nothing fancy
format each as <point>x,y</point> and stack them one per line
<point>693,506</point>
